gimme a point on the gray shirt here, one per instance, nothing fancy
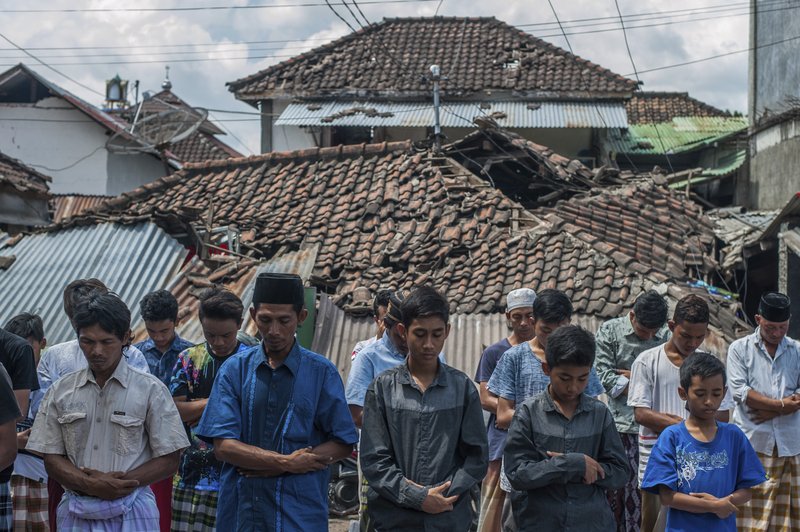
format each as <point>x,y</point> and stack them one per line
<point>617,348</point>
<point>551,492</point>
<point>410,437</point>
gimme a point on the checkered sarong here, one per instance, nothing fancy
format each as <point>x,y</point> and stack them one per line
<point>5,506</point>
<point>30,505</point>
<point>193,510</point>
<point>776,503</point>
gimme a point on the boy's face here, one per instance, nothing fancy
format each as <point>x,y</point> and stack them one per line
<point>567,383</point>
<point>703,396</point>
<point>643,333</point>
<point>687,337</point>
<point>221,335</point>
<point>543,329</point>
<point>101,348</point>
<point>425,337</point>
<point>161,332</point>
<point>37,346</point>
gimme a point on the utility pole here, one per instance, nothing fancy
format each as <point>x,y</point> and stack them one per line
<point>437,126</point>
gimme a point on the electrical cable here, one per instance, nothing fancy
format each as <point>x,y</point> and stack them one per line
<point>196,8</point>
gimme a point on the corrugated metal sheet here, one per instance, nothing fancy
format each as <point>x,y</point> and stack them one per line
<point>455,114</point>
<point>193,279</point>
<point>726,166</point>
<point>69,205</point>
<point>680,135</point>
<point>337,333</point>
<point>132,260</point>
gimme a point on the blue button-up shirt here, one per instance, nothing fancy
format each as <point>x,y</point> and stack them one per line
<point>373,360</point>
<point>163,364</point>
<point>751,368</point>
<point>296,405</point>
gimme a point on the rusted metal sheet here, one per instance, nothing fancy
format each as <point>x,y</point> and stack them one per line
<point>69,205</point>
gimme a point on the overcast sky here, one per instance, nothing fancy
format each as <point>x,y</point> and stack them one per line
<point>141,43</point>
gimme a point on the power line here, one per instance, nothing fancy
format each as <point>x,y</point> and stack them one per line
<point>197,8</point>
<point>435,13</point>
<point>21,49</point>
<point>639,81</point>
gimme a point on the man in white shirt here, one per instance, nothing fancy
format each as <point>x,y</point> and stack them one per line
<point>107,431</point>
<point>653,391</point>
<point>764,378</point>
<point>64,358</point>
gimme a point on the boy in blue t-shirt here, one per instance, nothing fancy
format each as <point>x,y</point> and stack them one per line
<point>702,469</point>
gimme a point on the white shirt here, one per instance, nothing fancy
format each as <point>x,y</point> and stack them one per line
<point>751,368</point>
<point>654,384</point>
<point>119,427</point>
<point>65,358</point>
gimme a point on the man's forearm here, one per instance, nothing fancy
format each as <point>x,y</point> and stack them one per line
<point>250,457</point>
<point>655,421</point>
<point>333,450</point>
<point>65,473</point>
<point>190,411</point>
<point>23,400</point>
<point>759,401</point>
<point>155,469</point>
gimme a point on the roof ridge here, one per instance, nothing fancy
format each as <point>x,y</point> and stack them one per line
<point>598,70</point>
<point>349,150</point>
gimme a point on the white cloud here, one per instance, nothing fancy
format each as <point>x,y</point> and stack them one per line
<point>721,82</point>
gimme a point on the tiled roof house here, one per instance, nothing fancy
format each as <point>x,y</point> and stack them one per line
<point>375,85</point>
<point>390,215</point>
<point>702,146</point>
<point>24,192</point>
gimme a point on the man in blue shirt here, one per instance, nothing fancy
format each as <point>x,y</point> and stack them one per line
<point>161,349</point>
<point>277,417</point>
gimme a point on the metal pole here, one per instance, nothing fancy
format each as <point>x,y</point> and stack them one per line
<point>437,126</point>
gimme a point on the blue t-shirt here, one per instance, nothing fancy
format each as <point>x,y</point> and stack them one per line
<point>489,359</point>
<point>719,467</point>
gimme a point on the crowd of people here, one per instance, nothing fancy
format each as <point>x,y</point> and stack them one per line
<point>623,430</point>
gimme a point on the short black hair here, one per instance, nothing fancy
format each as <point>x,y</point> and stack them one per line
<point>381,300</point>
<point>221,304</point>
<point>552,306</point>
<point>26,325</point>
<point>570,345</point>
<point>159,306</point>
<point>703,365</point>
<point>691,309</point>
<point>651,309</point>
<point>79,291</point>
<point>424,302</point>
<point>106,310</point>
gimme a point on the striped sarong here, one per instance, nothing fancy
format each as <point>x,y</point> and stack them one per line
<point>626,503</point>
<point>776,503</point>
<point>193,510</point>
<point>492,498</point>
<point>29,498</point>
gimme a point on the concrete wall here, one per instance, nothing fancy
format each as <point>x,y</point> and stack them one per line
<point>58,140</point>
<point>287,138</point>
<point>126,172</point>
<point>774,75</point>
<point>774,167</point>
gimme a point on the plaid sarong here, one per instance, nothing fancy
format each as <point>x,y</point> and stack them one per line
<point>492,498</point>
<point>30,505</point>
<point>5,506</point>
<point>193,510</point>
<point>776,503</point>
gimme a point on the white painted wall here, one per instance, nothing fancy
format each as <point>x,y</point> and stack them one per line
<point>55,138</point>
<point>288,138</point>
